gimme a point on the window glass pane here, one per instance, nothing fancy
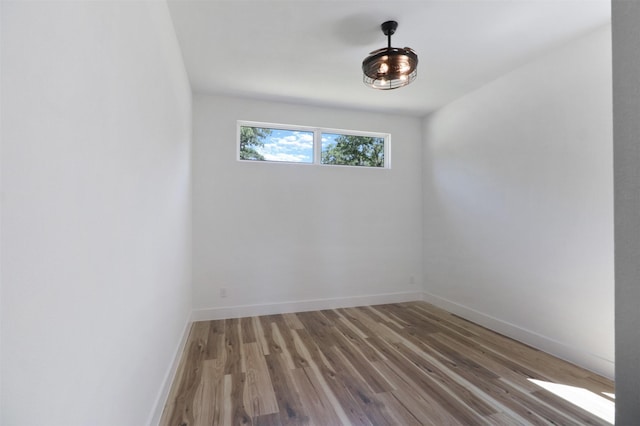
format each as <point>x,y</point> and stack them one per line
<point>264,144</point>
<point>350,150</point>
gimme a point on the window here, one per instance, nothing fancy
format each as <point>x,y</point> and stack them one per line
<point>298,144</point>
<point>352,150</point>
<point>269,144</point>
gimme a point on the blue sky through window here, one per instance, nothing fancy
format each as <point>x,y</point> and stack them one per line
<point>288,145</point>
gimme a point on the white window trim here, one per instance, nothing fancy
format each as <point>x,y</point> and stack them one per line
<point>317,142</point>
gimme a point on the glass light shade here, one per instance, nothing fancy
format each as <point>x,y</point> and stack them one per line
<point>390,68</point>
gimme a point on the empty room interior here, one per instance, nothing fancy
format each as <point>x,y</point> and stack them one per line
<point>214,212</point>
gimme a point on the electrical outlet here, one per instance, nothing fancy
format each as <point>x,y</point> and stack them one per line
<point>223,292</point>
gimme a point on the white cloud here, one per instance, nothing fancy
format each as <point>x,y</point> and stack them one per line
<point>294,147</point>
<point>298,140</point>
<point>287,157</point>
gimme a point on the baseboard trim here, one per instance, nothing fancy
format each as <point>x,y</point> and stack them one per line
<point>240,311</point>
<point>161,400</point>
<point>589,361</point>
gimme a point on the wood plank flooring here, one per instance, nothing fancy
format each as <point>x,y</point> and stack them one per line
<point>397,364</point>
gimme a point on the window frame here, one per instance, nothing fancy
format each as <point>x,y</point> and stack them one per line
<point>317,142</point>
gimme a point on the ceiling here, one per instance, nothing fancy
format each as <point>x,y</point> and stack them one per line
<point>311,51</point>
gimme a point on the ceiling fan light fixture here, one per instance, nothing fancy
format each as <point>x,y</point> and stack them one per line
<point>390,67</point>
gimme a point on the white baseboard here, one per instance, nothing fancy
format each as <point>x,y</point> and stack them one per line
<point>240,311</point>
<point>161,400</point>
<point>589,361</point>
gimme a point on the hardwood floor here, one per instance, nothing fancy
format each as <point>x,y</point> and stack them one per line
<point>398,364</point>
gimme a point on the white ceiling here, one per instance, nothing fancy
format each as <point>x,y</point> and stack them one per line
<point>312,51</point>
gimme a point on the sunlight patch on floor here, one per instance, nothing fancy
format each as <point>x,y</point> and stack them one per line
<point>583,398</point>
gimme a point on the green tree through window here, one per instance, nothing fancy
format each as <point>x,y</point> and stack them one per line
<point>350,150</point>
<point>250,138</point>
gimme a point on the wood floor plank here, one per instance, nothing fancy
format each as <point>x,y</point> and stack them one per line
<point>328,374</point>
<point>395,364</point>
<point>316,377</point>
<point>316,324</point>
<point>287,343</point>
<point>259,397</point>
<point>227,411</point>
<point>503,419</point>
<point>268,420</point>
<point>215,340</point>
<point>396,411</point>
<point>352,380</point>
<point>493,362</point>
<point>267,335</point>
<point>248,330</point>
<point>387,315</point>
<point>417,402</point>
<point>354,321</point>
<point>313,398</point>
<point>397,311</point>
<point>354,329</point>
<point>260,335</point>
<point>430,386</point>
<point>292,321</point>
<point>376,327</point>
<point>290,408</point>
<point>183,398</point>
<point>584,417</point>
<point>444,320</point>
<point>357,339</point>
<point>279,340</point>
<point>449,379</point>
<point>360,363</point>
<point>233,361</point>
<point>239,412</point>
<point>209,396</point>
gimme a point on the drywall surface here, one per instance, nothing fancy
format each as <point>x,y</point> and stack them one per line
<point>293,236</point>
<point>518,204</point>
<point>1,197</point>
<point>96,114</point>
<point>626,110</point>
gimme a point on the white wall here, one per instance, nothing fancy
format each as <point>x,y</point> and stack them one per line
<point>626,110</point>
<point>518,209</point>
<point>290,236</point>
<point>1,197</point>
<point>96,115</point>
